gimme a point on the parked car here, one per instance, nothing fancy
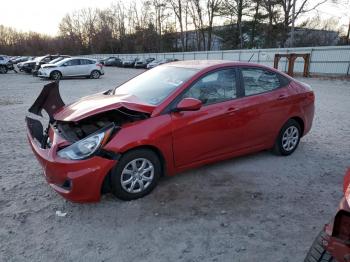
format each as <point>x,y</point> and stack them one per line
<point>28,66</point>
<point>72,67</point>
<point>166,120</point>
<point>19,59</point>
<point>4,60</point>
<point>143,62</point>
<point>160,62</point>
<point>45,60</point>
<point>129,62</point>
<point>333,243</point>
<point>113,61</point>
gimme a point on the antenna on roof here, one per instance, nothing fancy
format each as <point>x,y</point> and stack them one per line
<point>251,57</point>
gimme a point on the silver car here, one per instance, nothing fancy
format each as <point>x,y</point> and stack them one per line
<point>72,67</point>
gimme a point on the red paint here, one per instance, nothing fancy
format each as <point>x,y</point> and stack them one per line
<point>338,237</point>
<point>186,139</point>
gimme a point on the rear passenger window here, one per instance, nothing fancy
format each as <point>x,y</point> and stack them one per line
<point>73,62</point>
<point>85,62</point>
<point>258,81</point>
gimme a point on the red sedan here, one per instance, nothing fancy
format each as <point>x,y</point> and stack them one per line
<point>174,117</point>
<point>333,243</point>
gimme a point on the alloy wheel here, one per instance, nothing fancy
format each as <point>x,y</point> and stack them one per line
<point>137,175</point>
<point>290,138</point>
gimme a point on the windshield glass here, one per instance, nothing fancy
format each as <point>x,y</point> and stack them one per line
<point>153,86</point>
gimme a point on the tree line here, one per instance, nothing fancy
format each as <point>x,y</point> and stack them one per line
<point>167,25</point>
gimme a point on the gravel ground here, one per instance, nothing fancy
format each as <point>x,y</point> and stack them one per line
<point>253,208</point>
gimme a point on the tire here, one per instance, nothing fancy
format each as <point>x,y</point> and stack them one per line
<point>55,75</point>
<point>95,74</point>
<point>317,252</point>
<point>288,138</point>
<point>125,171</point>
<point>3,69</point>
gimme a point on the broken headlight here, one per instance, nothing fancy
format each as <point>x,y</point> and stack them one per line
<point>88,146</point>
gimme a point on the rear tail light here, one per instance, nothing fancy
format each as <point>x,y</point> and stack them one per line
<point>341,228</point>
<point>99,65</point>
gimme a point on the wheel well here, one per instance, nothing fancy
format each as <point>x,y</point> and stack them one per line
<point>105,188</point>
<point>300,122</point>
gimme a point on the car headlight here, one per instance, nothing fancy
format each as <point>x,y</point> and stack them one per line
<point>88,146</point>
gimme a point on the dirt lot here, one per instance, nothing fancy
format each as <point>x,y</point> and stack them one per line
<point>254,208</point>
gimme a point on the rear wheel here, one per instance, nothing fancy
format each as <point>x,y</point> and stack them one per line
<point>317,253</point>
<point>136,174</point>
<point>288,138</point>
<point>3,69</point>
<point>95,74</point>
<point>55,75</point>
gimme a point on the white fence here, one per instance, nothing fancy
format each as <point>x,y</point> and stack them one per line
<point>323,60</point>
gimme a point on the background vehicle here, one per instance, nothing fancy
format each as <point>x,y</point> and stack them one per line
<point>160,62</point>
<point>72,67</point>
<point>129,62</point>
<point>113,61</point>
<point>28,66</point>
<point>333,243</point>
<point>143,62</point>
<point>20,59</point>
<point>3,64</point>
<point>45,60</point>
<point>157,123</point>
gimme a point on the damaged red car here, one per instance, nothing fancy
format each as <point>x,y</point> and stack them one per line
<point>174,117</point>
<point>333,243</point>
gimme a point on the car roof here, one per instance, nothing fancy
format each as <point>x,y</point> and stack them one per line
<point>203,64</point>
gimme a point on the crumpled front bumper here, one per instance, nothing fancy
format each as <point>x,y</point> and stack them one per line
<point>75,180</point>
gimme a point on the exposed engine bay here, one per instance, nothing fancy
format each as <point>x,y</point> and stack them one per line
<point>74,131</point>
<point>51,102</point>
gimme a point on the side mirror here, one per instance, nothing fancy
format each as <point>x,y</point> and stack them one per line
<point>189,104</point>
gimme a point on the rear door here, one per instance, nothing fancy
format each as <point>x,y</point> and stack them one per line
<point>85,67</point>
<point>265,105</point>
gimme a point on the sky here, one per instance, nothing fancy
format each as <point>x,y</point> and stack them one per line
<point>44,16</point>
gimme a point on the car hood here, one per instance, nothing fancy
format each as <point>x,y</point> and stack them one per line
<point>48,65</point>
<point>51,101</point>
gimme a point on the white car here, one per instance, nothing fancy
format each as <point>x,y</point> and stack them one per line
<point>72,67</point>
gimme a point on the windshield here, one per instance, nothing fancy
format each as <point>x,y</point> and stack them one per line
<point>153,86</point>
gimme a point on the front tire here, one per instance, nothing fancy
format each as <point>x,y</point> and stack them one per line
<point>3,69</point>
<point>55,75</point>
<point>136,174</point>
<point>288,138</point>
<point>317,252</point>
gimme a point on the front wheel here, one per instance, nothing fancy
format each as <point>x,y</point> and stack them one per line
<point>3,69</point>
<point>136,174</point>
<point>55,75</point>
<point>317,252</point>
<point>288,138</point>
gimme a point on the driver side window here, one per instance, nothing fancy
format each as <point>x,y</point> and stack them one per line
<point>215,87</point>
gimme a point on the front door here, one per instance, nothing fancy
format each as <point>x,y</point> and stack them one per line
<point>210,131</point>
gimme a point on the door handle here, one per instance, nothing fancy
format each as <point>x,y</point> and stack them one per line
<point>281,97</point>
<point>232,110</point>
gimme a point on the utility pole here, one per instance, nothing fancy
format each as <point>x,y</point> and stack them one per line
<point>293,24</point>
